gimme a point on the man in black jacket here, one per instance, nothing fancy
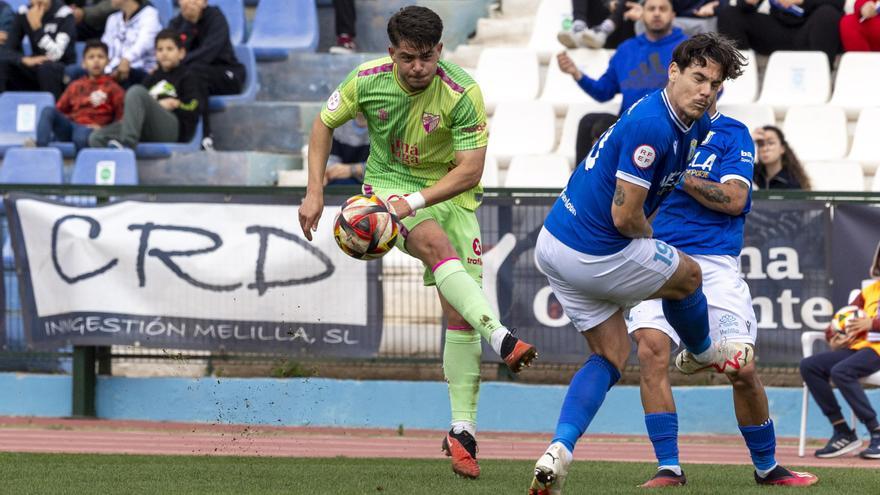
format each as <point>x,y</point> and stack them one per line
<point>209,54</point>
<point>791,25</point>
<point>51,30</point>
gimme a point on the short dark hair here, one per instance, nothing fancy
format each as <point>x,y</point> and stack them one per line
<point>95,44</point>
<point>169,34</point>
<point>421,27</point>
<point>710,46</point>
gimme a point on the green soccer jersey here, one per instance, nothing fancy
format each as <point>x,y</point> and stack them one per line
<point>413,136</point>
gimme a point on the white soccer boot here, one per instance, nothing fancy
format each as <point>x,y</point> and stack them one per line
<point>729,357</point>
<point>551,470</point>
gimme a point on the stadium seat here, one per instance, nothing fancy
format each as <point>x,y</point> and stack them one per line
<point>751,114</point>
<point>743,89</point>
<point>499,83</point>
<point>561,90</point>
<point>21,112</point>
<point>233,10</point>
<point>808,339</point>
<point>105,166</point>
<point>863,149</point>
<point>164,150</point>
<point>551,16</point>
<point>538,171</point>
<point>875,183</point>
<point>568,140</point>
<point>508,136</point>
<point>281,26</point>
<point>835,176</point>
<point>796,78</point>
<point>16,4</point>
<point>816,132</point>
<point>490,172</point>
<point>854,70</point>
<point>32,166</point>
<point>245,55</point>
<point>166,10</point>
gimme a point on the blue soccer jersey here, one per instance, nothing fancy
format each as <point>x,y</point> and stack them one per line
<point>727,153</point>
<point>648,146</point>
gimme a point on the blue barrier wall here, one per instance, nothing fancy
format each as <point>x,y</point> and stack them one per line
<point>381,404</point>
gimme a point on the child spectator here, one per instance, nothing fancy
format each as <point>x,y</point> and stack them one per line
<point>89,103</point>
<point>166,108</point>
<point>860,31</point>
<point>130,35</point>
<point>49,26</point>
<point>778,166</point>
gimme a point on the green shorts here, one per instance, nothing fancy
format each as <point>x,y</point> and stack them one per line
<point>461,227</point>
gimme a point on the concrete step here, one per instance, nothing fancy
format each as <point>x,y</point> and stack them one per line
<point>217,168</point>
<point>280,127</point>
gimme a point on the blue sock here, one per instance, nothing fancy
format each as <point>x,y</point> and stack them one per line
<point>690,319</point>
<point>761,441</point>
<point>585,395</point>
<point>663,432</point>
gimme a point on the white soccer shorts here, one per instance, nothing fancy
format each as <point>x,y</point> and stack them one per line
<point>731,315</point>
<point>592,288</point>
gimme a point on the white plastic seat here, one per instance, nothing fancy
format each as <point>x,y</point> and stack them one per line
<point>561,90</point>
<point>751,114</point>
<point>521,128</point>
<point>808,339</point>
<point>835,176</point>
<point>507,74</point>
<point>490,172</point>
<point>549,19</point>
<point>538,171</point>
<point>796,78</point>
<point>573,117</point>
<point>816,132</point>
<point>864,150</point>
<point>853,72</point>
<point>875,184</point>
<point>743,89</point>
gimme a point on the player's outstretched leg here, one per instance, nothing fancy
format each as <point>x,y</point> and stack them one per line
<point>753,416</point>
<point>585,395</point>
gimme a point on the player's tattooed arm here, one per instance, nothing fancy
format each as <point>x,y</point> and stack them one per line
<point>627,210</point>
<point>619,195</point>
<point>729,197</point>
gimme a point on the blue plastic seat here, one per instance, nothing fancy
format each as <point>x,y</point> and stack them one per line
<point>233,10</point>
<point>281,26</point>
<point>164,150</point>
<point>166,10</point>
<point>245,55</point>
<point>86,170</point>
<point>32,166</point>
<point>17,108</point>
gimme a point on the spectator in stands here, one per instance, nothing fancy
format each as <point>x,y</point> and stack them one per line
<point>348,153</point>
<point>7,18</point>
<point>854,354</point>
<point>777,166</point>
<point>209,54</point>
<point>860,31</point>
<point>791,25</point>
<point>345,17</point>
<point>88,103</point>
<point>91,17</point>
<point>166,108</point>
<point>692,16</point>
<point>637,68</point>
<point>49,26</point>
<point>594,16</point>
<point>130,34</point>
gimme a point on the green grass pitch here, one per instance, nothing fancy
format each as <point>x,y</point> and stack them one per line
<point>90,474</point>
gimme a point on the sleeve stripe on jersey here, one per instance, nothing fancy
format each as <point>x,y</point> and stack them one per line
<point>375,70</point>
<point>449,82</point>
<point>632,179</point>
<point>736,177</point>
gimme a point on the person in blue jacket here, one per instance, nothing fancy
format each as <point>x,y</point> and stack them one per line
<point>637,68</point>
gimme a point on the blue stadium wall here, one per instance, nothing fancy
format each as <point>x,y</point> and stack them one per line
<point>380,404</point>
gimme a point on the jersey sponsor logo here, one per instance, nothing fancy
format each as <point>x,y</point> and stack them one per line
<point>404,152</point>
<point>430,122</point>
<point>333,101</point>
<point>567,202</point>
<point>478,249</point>
<point>746,156</point>
<point>644,156</point>
<point>475,128</point>
<point>382,114</point>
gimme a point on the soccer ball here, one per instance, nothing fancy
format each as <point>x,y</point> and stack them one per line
<point>366,227</point>
<point>843,316</point>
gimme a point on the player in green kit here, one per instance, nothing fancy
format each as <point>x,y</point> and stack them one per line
<point>428,137</point>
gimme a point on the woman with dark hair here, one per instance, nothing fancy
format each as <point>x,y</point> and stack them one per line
<point>777,167</point>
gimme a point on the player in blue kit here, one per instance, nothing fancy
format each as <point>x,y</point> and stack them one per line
<point>705,218</point>
<point>596,247</point>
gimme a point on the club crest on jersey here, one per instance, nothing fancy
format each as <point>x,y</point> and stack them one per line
<point>644,156</point>
<point>382,114</point>
<point>333,101</point>
<point>692,150</point>
<point>430,122</point>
